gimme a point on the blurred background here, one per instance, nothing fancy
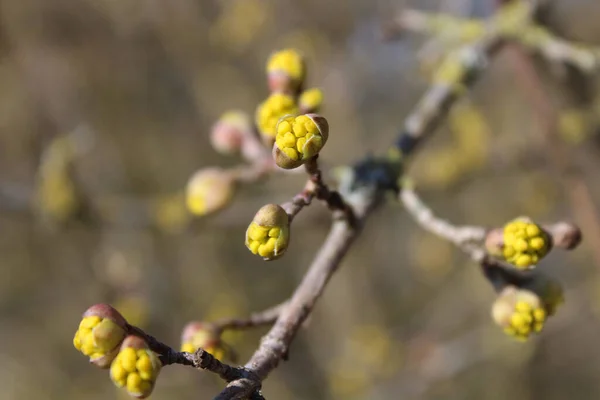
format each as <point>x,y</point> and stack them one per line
<point>138,83</point>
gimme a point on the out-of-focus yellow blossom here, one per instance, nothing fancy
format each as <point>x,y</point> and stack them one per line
<point>520,312</point>
<point>573,126</point>
<point>268,113</point>
<point>170,212</point>
<point>240,24</point>
<point>209,190</point>
<point>268,234</point>
<point>311,100</point>
<point>135,368</point>
<point>202,335</point>
<point>100,333</point>
<point>525,243</point>
<point>228,133</point>
<point>286,71</point>
<point>56,196</point>
<point>299,139</point>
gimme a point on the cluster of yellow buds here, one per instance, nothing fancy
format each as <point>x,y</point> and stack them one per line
<point>209,190</point>
<point>268,113</point>
<point>202,335</point>
<point>299,139</point>
<point>520,312</point>
<point>286,71</point>
<point>100,333</point>
<point>268,234</point>
<point>135,368</point>
<point>525,243</point>
<point>310,100</point>
<point>102,336</point>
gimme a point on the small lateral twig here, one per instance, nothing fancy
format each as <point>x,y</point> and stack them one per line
<point>332,198</point>
<point>266,317</point>
<point>201,359</point>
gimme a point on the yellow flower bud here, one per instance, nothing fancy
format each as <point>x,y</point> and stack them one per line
<point>209,190</point>
<point>524,243</point>
<point>519,312</point>
<point>299,139</point>
<point>135,368</point>
<point>311,100</point>
<point>268,113</point>
<point>202,335</point>
<point>286,71</point>
<point>229,131</point>
<point>268,234</point>
<point>101,331</point>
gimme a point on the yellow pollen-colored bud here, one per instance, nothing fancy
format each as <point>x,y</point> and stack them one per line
<point>311,100</point>
<point>209,190</point>
<point>298,139</point>
<point>286,70</point>
<point>268,233</point>
<point>135,368</point>
<point>524,243</point>
<point>268,113</point>
<point>99,335</point>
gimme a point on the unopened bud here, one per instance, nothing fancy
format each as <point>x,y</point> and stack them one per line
<point>202,335</point>
<point>299,139</point>
<point>268,234</point>
<point>135,368</point>
<point>228,133</point>
<point>286,71</point>
<point>101,331</point>
<point>209,190</point>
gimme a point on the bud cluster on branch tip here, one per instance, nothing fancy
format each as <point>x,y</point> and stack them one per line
<point>520,312</point>
<point>100,333</point>
<point>268,234</point>
<point>521,243</point>
<point>299,139</point>
<point>310,100</point>
<point>209,190</point>
<point>203,335</point>
<point>135,368</point>
<point>286,71</point>
<point>268,113</point>
<point>228,133</point>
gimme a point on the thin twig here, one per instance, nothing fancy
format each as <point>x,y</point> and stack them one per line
<point>262,318</point>
<point>200,359</point>
<point>275,345</point>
